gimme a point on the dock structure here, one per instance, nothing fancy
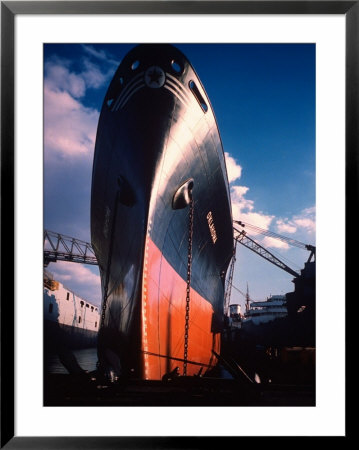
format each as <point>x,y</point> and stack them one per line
<point>59,247</point>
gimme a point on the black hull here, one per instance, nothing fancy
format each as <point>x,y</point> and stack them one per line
<point>73,338</point>
<point>151,140</point>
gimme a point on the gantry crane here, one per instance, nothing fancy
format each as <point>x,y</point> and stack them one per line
<point>242,237</point>
<point>285,239</point>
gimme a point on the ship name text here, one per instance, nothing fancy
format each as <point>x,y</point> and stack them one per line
<point>212,228</point>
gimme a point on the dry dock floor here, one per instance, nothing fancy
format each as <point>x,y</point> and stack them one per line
<point>87,390</point>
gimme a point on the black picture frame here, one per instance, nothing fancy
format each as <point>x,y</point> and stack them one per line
<point>9,9</point>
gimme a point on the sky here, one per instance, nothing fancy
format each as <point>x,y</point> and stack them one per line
<point>263,97</point>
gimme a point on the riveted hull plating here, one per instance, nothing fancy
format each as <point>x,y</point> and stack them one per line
<point>156,132</point>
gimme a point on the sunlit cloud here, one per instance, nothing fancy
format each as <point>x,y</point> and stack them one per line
<point>269,242</point>
<point>258,220</point>
<point>240,204</point>
<point>305,221</point>
<point>75,272</point>
<point>284,226</point>
<point>243,209</point>
<point>64,277</point>
<point>70,127</point>
<point>93,76</point>
<point>234,170</point>
<point>58,78</point>
<point>78,278</point>
<point>101,55</point>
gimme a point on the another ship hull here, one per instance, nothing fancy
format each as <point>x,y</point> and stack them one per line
<point>73,338</point>
<point>151,141</point>
<point>69,320</point>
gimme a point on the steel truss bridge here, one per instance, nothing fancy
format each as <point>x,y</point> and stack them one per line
<point>58,247</point>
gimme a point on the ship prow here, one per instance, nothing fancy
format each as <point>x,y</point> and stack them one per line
<point>161,219</point>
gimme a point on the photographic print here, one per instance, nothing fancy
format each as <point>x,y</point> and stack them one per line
<point>179,224</point>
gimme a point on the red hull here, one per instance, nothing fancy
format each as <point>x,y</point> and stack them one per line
<point>157,146</point>
<point>163,321</point>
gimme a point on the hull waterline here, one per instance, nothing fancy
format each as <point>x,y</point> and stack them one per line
<point>158,147</point>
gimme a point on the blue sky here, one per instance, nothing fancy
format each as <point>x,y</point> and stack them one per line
<point>263,96</point>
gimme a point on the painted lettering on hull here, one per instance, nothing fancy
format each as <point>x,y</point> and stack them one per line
<point>212,228</point>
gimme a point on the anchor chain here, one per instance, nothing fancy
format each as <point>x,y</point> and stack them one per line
<point>104,306</point>
<point>109,258</point>
<point>188,288</point>
<point>108,268</point>
<point>103,315</point>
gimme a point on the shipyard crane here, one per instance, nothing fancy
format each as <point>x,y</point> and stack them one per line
<point>58,247</point>
<point>285,239</point>
<point>242,237</point>
<point>227,294</point>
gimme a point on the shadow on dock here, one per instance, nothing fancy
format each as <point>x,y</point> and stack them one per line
<point>89,390</point>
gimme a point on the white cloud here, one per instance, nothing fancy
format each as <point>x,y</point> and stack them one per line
<point>59,78</point>
<point>93,76</point>
<point>239,192</point>
<point>243,209</point>
<point>240,204</point>
<point>100,54</point>
<point>310,211</point>
<point>78,278</point>
<point>284,226</point>
<point>269,242</point>
<point>305,221</point>
<point>75,272</point>
<point>234,170</point>
<point>63,277</point>
<point>257,219</point>
<point>70,127</point>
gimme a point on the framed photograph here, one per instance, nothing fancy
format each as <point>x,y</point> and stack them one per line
<point>260,100</point>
